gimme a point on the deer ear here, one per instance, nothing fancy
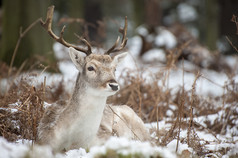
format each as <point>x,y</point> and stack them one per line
<point>119,58</point>
<point>77,58</point>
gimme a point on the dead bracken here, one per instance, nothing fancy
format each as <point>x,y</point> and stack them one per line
<point>22,101</point>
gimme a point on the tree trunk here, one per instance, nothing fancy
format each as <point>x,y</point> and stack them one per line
<point>228,28</point>
<point>147,12</point>
<point>93,14</point>
<point>22,13</point>
<point>210,24</point>
<point>139,12</point>
<point>70,13</point>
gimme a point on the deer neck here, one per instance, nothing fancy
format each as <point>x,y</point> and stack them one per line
<point>83,115</point>
<point>84,107</point>
<point>82,97</point>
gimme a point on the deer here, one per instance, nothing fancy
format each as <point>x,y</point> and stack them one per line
<point>86,119</point>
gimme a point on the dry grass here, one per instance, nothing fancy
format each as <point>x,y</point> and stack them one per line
<point>152,101</point>
<point>21,107</point>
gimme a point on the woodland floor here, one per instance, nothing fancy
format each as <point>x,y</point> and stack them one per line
<point>187,95</point>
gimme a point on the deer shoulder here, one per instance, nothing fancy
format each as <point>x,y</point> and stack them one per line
<point>49,120</point>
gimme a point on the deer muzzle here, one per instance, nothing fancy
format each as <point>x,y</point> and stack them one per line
<point>114,86</point>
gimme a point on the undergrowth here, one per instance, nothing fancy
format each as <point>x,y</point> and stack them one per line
<point>22,106</point>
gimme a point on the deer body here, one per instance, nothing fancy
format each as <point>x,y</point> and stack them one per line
<point>86,120</point>
<point>77,124</point>
<point>74,123</point>
<point>121,121</point>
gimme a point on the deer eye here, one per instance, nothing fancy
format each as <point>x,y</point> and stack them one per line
<point>90,68</point>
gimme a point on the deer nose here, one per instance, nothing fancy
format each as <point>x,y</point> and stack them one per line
<point>114,86</point>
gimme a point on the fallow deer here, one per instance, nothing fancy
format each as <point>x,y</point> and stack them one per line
<point>86,119</point>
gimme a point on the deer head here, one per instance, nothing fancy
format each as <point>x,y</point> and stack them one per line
<point>96,70</point>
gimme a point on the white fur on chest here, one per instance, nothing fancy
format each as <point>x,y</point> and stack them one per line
<point>84,125</point>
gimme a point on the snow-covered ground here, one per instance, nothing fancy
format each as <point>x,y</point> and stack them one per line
<point>114,146</point>
<point>210,83</point>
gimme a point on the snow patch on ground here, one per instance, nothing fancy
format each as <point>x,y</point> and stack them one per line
<point>186,12</point>
<point>210,83</point>
<point>154,55</point>
<point>165,38</point>
<point>120,146</point>
<point>124,147</point>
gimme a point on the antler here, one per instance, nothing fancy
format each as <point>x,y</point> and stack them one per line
<point>48,24</point>
<point>123,31</point>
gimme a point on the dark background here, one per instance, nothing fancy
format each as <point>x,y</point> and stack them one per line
<point>98,21</point>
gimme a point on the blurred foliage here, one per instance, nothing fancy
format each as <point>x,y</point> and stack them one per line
<point>209,21</point>
<point>19,15</point>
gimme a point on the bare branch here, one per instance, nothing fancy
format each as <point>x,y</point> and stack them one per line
<point>123,31</point>
<point>47,25</point>
<point>235,20</point>
<point>21,35</point>
<point>231,44</point>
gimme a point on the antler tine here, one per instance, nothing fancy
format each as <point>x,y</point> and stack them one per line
<point>47,26</point>
<point>114,46</point>
<point>85,42</point>
<point>123,31</point>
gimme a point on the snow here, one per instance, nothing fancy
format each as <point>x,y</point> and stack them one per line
<point>154,55</point>
<point>165,38</point>
<point>135,44</point>
<point>214,143</point>
<point>125,147</point>
<point>76,153</point>
<point>232,61</point>
<point>68,70</point>
<point>210,83</point>
<point>3,85</point>
<point>169,113</point>
<point>61,55</point>
<point>181,147</point>
<point>11,150</point>
<point>207,140</point>
<point>142,30</point>
<point>186,12</point>
<point>46,105</point>
<point>121,146</point>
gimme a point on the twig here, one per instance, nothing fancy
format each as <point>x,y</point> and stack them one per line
<point>231,44</point>
<point>157,119</point>
<point>191,107</point>
<point>180,114</point>
<point>138,91</point>
<point>209,130</point>
<point>44,84</point>
<point>164,140</point>
<point>14,78</point>
<point>225,122</point>
<point>212,81</point>
<point>45,67</point>
<point>234,19</point>
<point>21,35</point>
